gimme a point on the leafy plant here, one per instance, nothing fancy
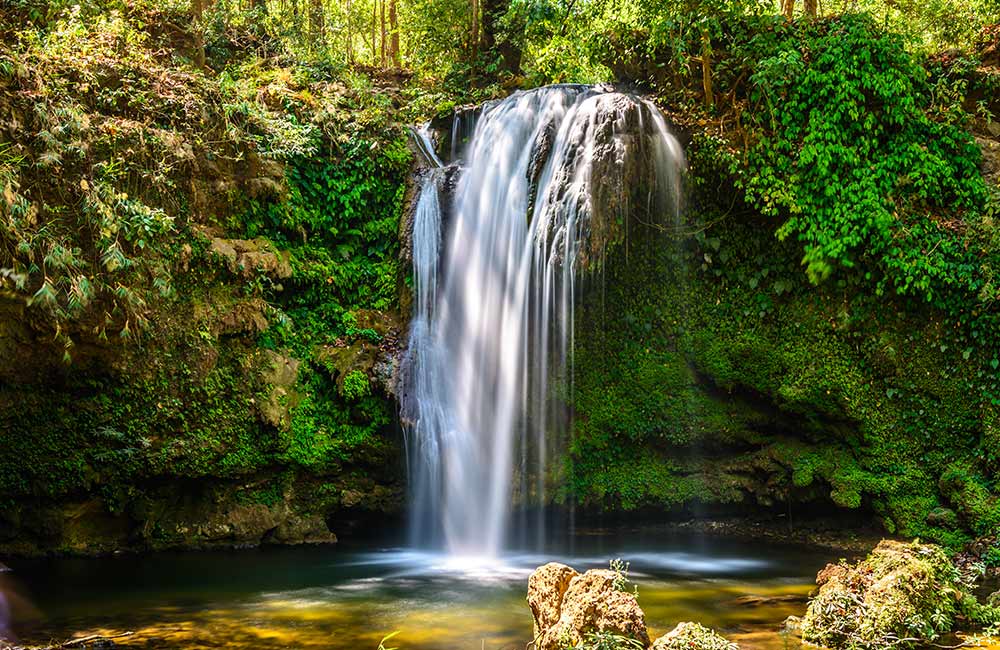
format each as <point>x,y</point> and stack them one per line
<point>620,580</point>
<point>606,641</point>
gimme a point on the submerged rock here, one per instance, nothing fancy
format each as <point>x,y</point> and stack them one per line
<point>569,607</point>
<point>693,636</point>
<point>901,591</point>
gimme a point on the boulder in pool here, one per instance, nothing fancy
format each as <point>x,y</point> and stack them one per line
<point>589,604</point>
<point>546,588</point>
<point>693,636</point>
<point>902,593</point>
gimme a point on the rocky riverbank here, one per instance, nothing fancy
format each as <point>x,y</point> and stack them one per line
<point>902,594</point>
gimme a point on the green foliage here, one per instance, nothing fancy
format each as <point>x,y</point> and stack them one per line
<point>620,581</point>
<point>902,594</point>
<point>118,433</point>
<point>326,430</point>
<point>606,641</point>
<point>356,386</point>
<point>841,100</point>
<point>972,497</point>
<point>105,203</point>
<point>339,223</point>
<point>694,636</point>
<point>763,387</point>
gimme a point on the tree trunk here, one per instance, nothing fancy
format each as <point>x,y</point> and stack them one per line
<point>788,8</point>
<point>317,23</point>
<point>492,40</point>
<point>197,13</point>
<point>394,36</point>
<point>382,45</point>
<point>349,34</point>
<point>374,27</point>
<point>706,68</point>
<point>474,29</point>
<point>297,18</point>
<point>810,7</point>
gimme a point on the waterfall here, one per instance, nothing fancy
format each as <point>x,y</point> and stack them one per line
<point>547,179</point>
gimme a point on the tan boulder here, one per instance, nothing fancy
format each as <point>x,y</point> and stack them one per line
<point>591,603</point>
<point>546,588</point>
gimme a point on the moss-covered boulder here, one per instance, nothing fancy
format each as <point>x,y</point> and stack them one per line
<point>901,593</point>
<point>693,636</point>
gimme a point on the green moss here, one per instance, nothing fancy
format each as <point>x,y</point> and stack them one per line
<point>708,370</point>
<point>901,594</point>
<point>971,495</point>
<point>188,410</point>
<point>356,386</point>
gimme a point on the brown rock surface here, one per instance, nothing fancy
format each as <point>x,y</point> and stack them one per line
<point>546,588</point>
<point>591,603</point>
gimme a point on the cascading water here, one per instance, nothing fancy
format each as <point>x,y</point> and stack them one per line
<point>548,178</point>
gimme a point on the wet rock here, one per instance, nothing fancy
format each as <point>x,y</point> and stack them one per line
<point>899,591</point>
<point>249,257</point>
<point>590,604</point>
<point>244,317</point>
<point>991,158</point>
<point>372,350</point>
<point>280,373</point>
<point>309,529</point>
<point>546,588</point>
<point>693,636</point>
<point>830,572</point>
<point>243,523</point>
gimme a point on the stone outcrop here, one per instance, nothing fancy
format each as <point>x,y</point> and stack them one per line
<point>693,636</point>
<point>546,588</point>
<point>248,257</point>
<point>900,591</point>
<point>569,608</point>
<point>280,373</point>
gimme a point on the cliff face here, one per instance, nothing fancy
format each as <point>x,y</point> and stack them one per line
<point>198,298</point>
<point>712,377</point>
<point>201,433</point>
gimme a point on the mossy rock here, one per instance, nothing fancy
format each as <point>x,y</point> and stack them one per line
<point>902,593</point>
<point>693,636</point>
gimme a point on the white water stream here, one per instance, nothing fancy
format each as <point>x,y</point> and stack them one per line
<point>547,174</point>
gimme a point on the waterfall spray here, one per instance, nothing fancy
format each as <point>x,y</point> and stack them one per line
<point>548,175</point>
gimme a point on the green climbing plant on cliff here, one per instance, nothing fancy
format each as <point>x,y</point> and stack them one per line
<point>850,158</point>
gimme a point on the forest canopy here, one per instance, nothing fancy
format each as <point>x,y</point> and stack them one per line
<point>515,41</point>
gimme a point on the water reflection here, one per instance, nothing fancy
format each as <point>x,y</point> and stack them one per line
<point>337,598</point>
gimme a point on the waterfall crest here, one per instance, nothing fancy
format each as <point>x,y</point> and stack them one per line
<point>549,177</point>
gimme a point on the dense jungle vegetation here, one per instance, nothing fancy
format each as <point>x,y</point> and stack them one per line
<point>204,276</point>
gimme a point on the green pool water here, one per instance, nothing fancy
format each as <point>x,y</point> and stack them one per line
<point>343,597</point>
